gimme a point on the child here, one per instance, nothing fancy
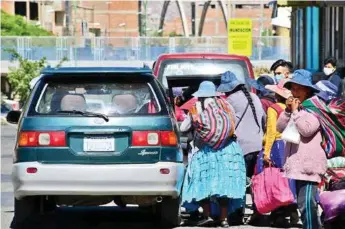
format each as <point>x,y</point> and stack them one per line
<point>307,160</point>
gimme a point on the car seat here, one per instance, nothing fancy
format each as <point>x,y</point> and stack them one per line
<point>72,102</point>
<point>124,103</point>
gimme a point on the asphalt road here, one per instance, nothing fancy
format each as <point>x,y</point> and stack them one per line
<point>86,218</point>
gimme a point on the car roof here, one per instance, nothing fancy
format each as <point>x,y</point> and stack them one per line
<point>77,70</point>
<point>202,55</point>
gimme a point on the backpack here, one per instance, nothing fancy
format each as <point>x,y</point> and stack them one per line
<point>332,120</point>
<point>214,126</point>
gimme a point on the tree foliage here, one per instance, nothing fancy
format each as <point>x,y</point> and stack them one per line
<point>20,77</point>
<point>14,25</point>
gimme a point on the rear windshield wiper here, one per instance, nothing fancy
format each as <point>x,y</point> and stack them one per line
<point>85,113</point>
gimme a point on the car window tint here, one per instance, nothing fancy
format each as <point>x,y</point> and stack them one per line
<point>113,99</point>
<point>183,67</point>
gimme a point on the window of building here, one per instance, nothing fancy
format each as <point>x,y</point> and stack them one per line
<point>34,11</point>
<point>59,18</point>
<point>213,6</point>
<point>20,8</point>
<point>95,31</point>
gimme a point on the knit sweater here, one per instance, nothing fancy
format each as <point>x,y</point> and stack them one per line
<point>249,135</point>
<point>307,160</point>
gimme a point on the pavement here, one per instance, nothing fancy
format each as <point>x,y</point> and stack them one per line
<point>86,218</point>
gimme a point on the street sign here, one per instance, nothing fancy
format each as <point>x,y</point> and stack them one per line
<point>240,39</point>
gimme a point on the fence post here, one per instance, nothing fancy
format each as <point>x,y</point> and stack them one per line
<point>58,43</point>
<point>172,45</point>
<point>209,43</point>
<point>135,47</point>
<point>20,44</point>
<point>28,48</point>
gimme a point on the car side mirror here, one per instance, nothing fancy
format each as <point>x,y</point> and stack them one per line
<point>13,117</point>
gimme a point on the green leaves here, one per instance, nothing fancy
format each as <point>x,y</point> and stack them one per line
<point>14,25</point>
<point>20,77</point>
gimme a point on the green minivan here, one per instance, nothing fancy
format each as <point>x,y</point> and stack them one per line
<point>91,136</point>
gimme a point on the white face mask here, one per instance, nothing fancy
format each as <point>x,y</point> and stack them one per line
<point>328,71</point>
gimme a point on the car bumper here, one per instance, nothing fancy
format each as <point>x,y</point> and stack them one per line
<point>97,180</point>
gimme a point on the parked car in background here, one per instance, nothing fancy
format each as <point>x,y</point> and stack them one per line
<point>5,108</point>
<point>12,103</point>
<point>69,153</point>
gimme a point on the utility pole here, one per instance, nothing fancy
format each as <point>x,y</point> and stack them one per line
<point>75,5</point>
<point>261,28</point>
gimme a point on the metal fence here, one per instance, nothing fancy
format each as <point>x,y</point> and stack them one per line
<point>133,48</point>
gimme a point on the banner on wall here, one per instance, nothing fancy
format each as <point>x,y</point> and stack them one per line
<point>240,36</point>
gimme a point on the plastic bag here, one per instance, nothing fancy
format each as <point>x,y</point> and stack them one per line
<point>271,190</point>
<point>333,203</point>
<point>291,134</point>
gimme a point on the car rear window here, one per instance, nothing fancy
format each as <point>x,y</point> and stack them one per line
<point>183,67</point>
<point>109,98</point>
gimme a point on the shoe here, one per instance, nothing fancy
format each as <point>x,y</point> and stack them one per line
<point>224,223</point>
<point>280,222</point>
<point>205,221</point>
<point>254,219</point>
<point>236,218</point>
<point>294,217</point>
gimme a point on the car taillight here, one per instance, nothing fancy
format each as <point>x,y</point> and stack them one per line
<point>168,138</point>
<point>145,138</point>
<point>154,138</point>
<point>36,139</point>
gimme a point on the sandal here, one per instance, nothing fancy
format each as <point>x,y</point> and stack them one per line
<point>205,221</point>
<point>224,223</point>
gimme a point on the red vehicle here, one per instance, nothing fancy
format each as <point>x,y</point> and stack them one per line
<point>181,75</point>
<point>189,69</point>
<point>182,64</point>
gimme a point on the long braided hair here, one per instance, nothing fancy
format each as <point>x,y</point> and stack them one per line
<point>250,101</point>
<point>251,104</point>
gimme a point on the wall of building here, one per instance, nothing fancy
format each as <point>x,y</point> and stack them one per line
<point>317,33</point>
<point>214,24</point>
<point>8,6</point>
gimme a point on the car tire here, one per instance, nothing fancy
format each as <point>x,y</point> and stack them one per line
<point>25,212</point>
<point>170,212</point>
<point>28,210</point>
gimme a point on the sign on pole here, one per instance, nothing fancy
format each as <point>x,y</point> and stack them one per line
<point>240,40</point>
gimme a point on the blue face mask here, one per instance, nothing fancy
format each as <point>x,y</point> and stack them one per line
<point>277,78</point>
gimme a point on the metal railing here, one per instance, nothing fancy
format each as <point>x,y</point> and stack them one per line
<point>133,48</point>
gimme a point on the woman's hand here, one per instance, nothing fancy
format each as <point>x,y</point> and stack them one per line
<point>267,160</point>
<point>295,104</point>
<point>289,101</point>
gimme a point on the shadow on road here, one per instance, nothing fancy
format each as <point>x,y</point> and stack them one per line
<point>103,218</point>
<point>91,218</point>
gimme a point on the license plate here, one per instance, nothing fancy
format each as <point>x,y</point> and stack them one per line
<point>93,144</point>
